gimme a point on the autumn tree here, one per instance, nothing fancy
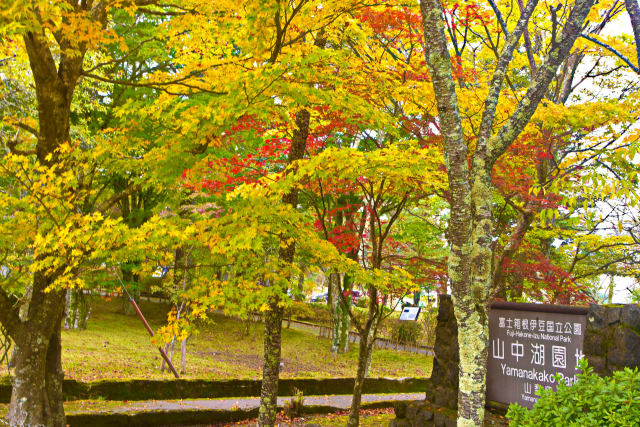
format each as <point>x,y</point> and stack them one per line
<point>37,389</point>
<point>470,184</point>
<point>535,180</point>
<point>272,64</point>
<point>53,175</point>
<point>387,181</point>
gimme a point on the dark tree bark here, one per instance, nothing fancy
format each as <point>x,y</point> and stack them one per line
<point>375,310</point>
<point>273,316</point>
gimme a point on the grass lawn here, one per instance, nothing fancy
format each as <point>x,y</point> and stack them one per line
<point>118,346</point>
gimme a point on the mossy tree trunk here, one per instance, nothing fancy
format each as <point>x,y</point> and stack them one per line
<point>273,316</point>
<point>36,396</point>
<point>342,339</point>
<point>367,333</point>
<point>470,228</point>
<point>340,306</point>
<point>271,367</point>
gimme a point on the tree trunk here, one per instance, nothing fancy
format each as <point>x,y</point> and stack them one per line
<point>271,367</point>
<point>342,340</point>
<point>470,191</point>
<point>473,334</point>
<point>77,310</point>
<point>611,289</point>
<point>163,363</point>
<point>633,9</point>
<point>36,397</point>
<point>367,332</point>
<point>183,356</point>
<point>273,316</point>
<point>371,339</point>
<point>363,355</point>
<point>339,317</point>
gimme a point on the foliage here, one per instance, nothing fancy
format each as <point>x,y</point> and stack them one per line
<point>362,302</point>
<point>592,401</point>
<point>310,312</point>
<point>406,332</point>
<point>169,128</point>
<point>294,407</point>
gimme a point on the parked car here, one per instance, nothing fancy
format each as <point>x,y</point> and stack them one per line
<point>356,295</point>
<point>320,298</point>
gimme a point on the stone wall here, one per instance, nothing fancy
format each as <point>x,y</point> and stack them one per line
<point>612,337</point>
<point>212,389</point>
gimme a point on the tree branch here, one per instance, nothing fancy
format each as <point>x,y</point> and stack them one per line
<point>634,14</point>
<point>614,51</point>
<point>159,85</point>
<point>12,145</point>
<point>28,128</point>
<point>439,63</point>
<point>9,316</point>
<point>108,204</point>
<point>503,24</point>
<point>489,113</point>
<point>540,84</point>
<point>527,44</point>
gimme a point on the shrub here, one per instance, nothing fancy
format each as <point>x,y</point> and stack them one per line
<point>592,401</point>
<point>310,312</point>
<point>362,302</point>
<point>293,408</point>
<point>428,321</point>
<point>406,332</point>
<point>301,311</point>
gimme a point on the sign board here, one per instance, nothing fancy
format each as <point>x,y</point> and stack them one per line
<point>410,313</point>
<point>528,345</point>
